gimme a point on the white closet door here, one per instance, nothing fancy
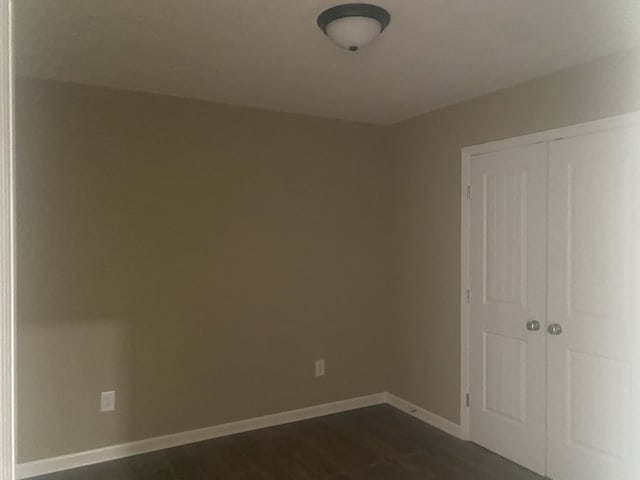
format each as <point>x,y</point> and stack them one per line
<point>593,397</point>
<point>507,268</point>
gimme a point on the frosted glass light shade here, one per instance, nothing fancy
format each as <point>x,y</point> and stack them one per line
<point>353,25</point>
<point>353,32</point>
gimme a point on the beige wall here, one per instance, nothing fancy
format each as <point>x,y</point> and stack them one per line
<point>425,280</point>
<point>195,258</point>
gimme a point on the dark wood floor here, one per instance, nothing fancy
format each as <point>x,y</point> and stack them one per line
<point>372,443</point>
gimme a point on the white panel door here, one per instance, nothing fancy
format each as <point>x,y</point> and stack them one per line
<point>508,283</point>
<point>593,397</point>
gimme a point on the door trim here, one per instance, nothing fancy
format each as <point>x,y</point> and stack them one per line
<point>7,332</point>
<point>468,153</point>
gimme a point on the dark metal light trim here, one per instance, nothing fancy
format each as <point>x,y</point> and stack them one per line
<point>354,10</point>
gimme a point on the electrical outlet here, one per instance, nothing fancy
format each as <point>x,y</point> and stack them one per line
<point>320,367</point>
<point>108,401</point>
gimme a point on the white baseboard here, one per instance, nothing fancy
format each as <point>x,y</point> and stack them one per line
<point>431,418</point>
<point>89,457</point>
<point>74,460</point>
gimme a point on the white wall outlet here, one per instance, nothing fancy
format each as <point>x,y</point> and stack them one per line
<point>108,401</point>
<point>320,367</point>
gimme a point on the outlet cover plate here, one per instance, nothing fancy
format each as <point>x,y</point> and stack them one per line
<point>108,401</point>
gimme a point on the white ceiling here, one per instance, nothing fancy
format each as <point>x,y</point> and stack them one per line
<point>270,53</point>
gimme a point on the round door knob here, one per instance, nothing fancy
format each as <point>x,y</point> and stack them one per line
<point>533,325</point>
<point>555,329</point>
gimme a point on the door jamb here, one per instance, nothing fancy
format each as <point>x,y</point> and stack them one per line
<point>468,153</point>
<point>7,322</point>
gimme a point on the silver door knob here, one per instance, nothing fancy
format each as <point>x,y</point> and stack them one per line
<point>555,329</point>
<point>533,325</point>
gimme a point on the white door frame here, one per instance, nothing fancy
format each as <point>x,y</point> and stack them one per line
<point>467,155</point>
<point>7,332</point>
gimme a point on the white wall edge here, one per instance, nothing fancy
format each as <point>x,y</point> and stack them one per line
<point>7,265</point>
<point>426,416</point>
<point>74,460</point>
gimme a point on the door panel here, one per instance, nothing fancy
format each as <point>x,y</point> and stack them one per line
<point>592,274</point>
<point>507,255</point>
<point>505,376</point>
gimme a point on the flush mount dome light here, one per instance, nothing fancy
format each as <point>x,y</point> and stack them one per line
<point>353,25</point>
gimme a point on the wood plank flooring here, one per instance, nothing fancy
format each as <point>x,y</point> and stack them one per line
<point>374,443</point>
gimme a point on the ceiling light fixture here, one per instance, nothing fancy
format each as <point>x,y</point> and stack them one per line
<point>353,25</point>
